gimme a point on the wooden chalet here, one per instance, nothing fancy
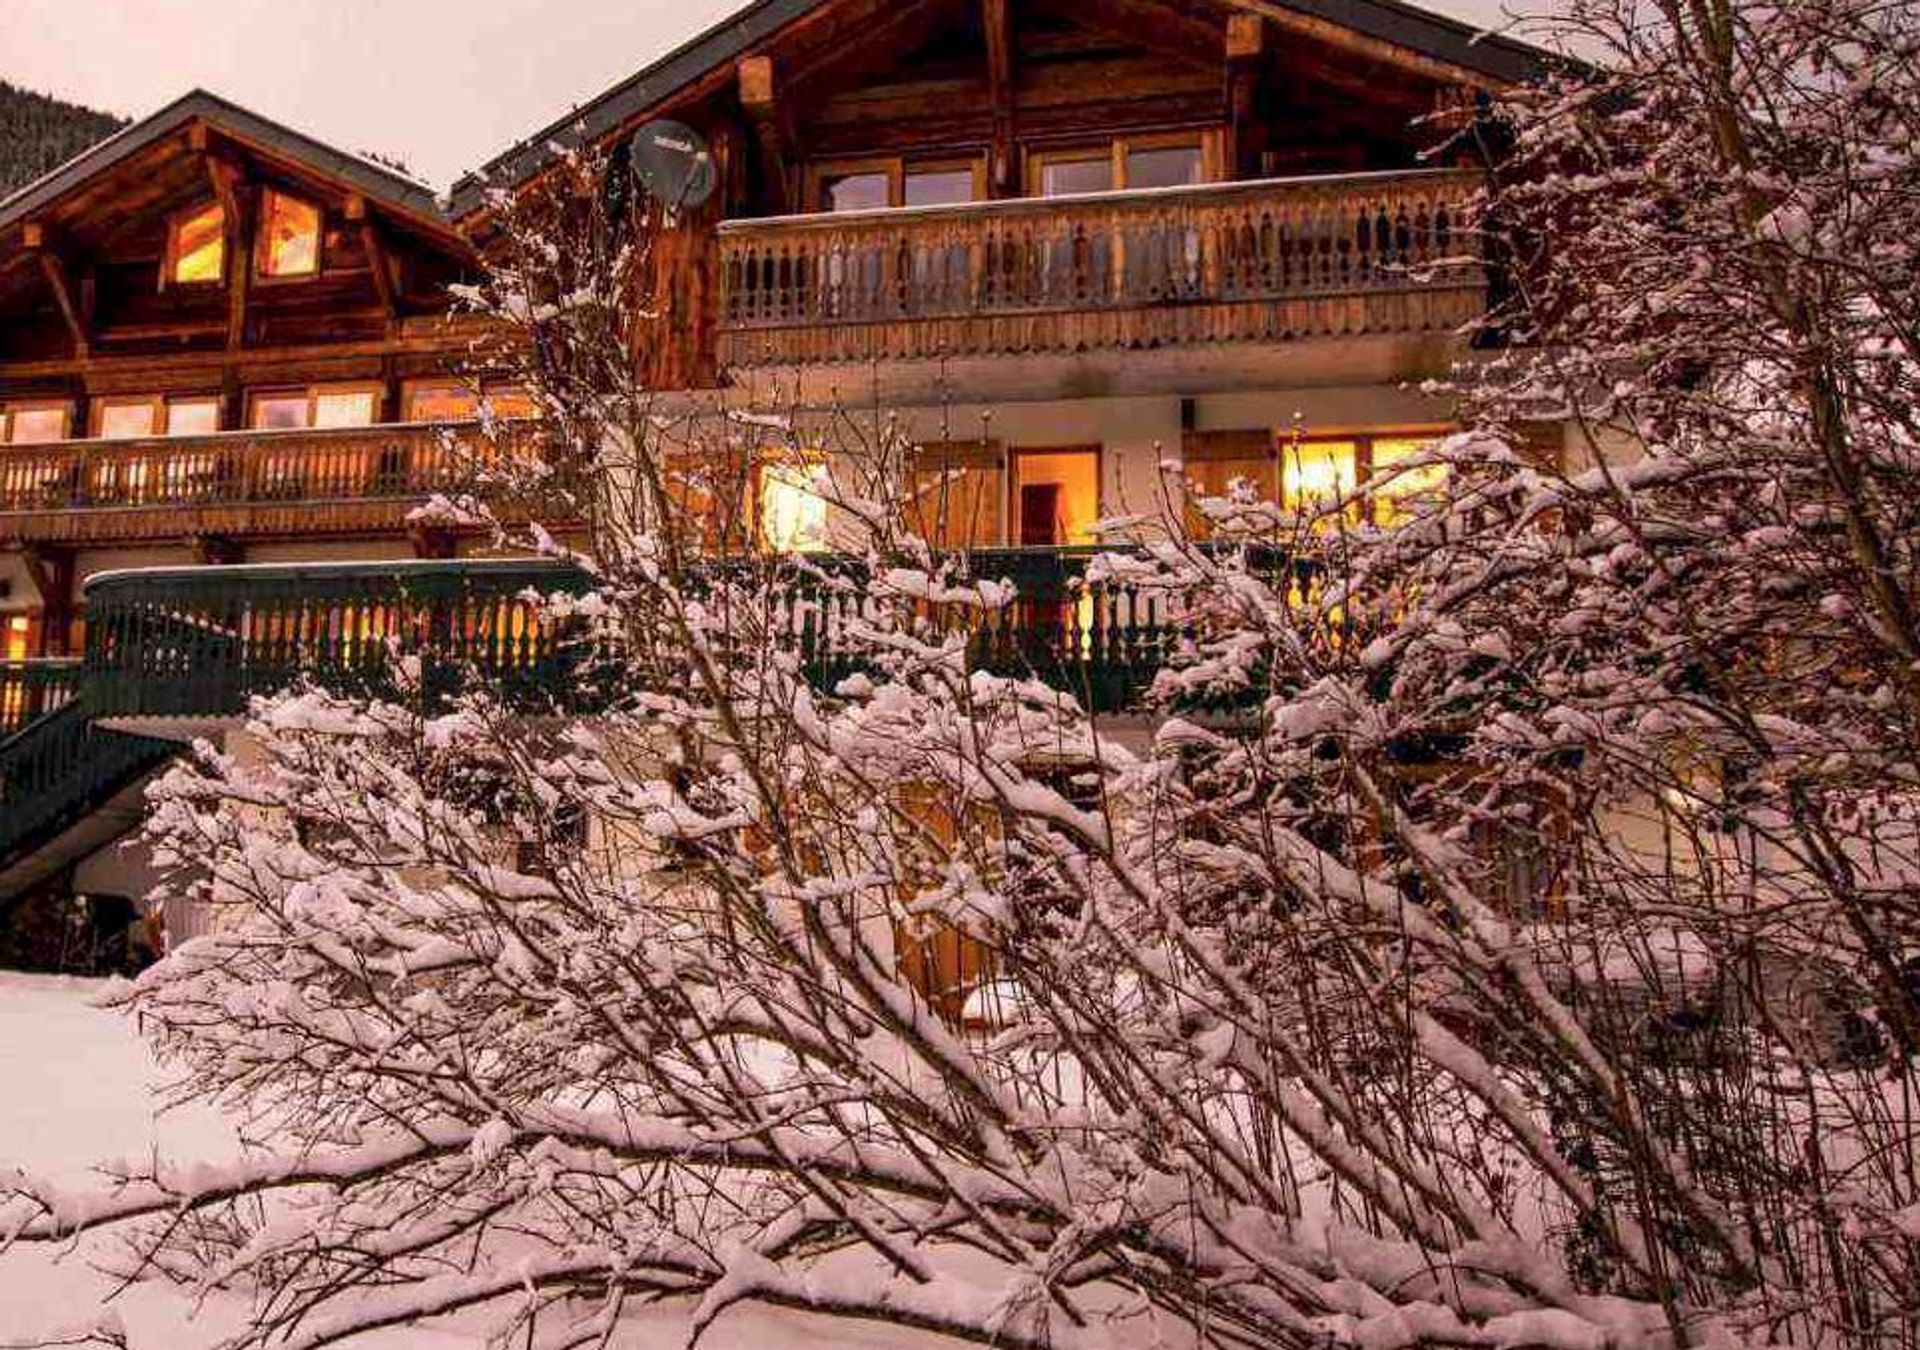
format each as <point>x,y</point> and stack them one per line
<point>1062,240</point>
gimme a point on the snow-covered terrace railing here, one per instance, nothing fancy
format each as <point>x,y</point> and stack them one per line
<point>182,642</point>
<point>1263,261</point>
<point>32,689</point>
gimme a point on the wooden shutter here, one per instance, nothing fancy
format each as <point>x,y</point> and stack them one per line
<point>959,494</point>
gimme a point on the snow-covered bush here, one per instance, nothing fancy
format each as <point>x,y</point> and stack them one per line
<point>1528,957</point>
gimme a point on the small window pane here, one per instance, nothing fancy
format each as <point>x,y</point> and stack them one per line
<point>292,237</point>
<point>1317,473</point>
<point>939,187</point>
<point>193,417</point>
<point>280,412</point>
<point>1069,177</point>
<point>37,426</point>
<point>343,408</point>
<point>199,246</point>
<point>1174,166</point>
<point>793,517</point>
<point>510,401</point>
<point>440,403</point>
<point>856,192</point>
<point>126,421</point>
<point>1394,499</point>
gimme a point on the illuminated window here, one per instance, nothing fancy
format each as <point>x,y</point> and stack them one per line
<point>193,416</point>
<point>197,247</point>
<point>289,237</point>
<point>507,400</point>
<point>793,515</point>
<point>1393,500</point>
<point>128,419</point>
<point>1314,475</point>
<point>37,423</point>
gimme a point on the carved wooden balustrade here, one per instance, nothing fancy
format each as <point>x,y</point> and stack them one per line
<point>231,483</point>
<point>1239,262</point>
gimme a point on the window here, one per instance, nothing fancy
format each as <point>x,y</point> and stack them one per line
<point>1125,164</point>
<point>1165,166</point>
<point>38,423</point>
<point>197,247</point>
<point>453,401</point>
<point>19,637</point>
<point>322,406</point>
<point>876,184</point>
<point>793,515</point>
<point>344,408</point>
<point>1317,473</point>
<point>289,237</point>
<point>126,419</point>
<point>193,416</point>
<point>856,192</point>
<point>440,402</point>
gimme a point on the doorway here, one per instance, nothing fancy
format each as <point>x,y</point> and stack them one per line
<point>1055,497</point>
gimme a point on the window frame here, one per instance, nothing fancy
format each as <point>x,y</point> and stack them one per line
<point>97,416</point>
<point>1117,149</point>
<point>169,401</point>
<point>896,168</point>
<point>1363,465</point>
<point>13,407</point>
<point>262,253</point>
<point>170,262</point>
<point>313,393</point>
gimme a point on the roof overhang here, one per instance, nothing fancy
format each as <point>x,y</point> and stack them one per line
<point>394,193</point>
<point>1440,44</point>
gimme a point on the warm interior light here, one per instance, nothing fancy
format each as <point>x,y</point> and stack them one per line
<point>126,421</point>
<point>1392,499</point>
<point>1316,474</point>
<point>292,237</point>
<point>1073,503</point>
<point>193,417</point>
<point>343,408</point>
<point>199,245</point>
<point>793,516</point>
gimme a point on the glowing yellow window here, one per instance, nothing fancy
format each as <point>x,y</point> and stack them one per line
<point>440,403</point>
<point>290,237</point>
<point>197,246</point>
<point>1395,499</point>
<point>1316,475</point>
<point>793,515</point>
<point>19,637</point>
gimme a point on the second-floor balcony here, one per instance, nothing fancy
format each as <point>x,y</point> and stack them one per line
<point>1264,261</point>
<point>237,483</point>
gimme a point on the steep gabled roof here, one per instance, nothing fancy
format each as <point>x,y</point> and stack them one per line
<point>1500,59</point>
<point>381,186</point>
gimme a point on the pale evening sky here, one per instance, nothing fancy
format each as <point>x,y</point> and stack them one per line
<point>444,84</point>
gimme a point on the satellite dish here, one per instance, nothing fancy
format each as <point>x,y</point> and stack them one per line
<point>673,164</point>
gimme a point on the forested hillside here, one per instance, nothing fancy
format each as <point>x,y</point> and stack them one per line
<point>38,133</point>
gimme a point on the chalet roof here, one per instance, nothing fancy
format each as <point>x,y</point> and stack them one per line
<point>1500,59</point>
<point>381,186</point>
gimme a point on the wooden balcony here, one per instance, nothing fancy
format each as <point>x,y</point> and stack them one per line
<point>356,480</point>
<point>1269,261</point>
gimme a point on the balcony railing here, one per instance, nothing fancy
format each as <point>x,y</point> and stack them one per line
<point>199,641</point>
<point>230,482</point>
<point>1239,262</point>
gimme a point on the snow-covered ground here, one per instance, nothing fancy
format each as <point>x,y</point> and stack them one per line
<point>76,1089</point>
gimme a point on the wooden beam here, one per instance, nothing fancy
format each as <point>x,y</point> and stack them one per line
<point>380,263</point>
<point>1246,44</point>
<point>765,110</point>
<point>240,231</point>
<point>997,18</point>
<point>39,243</point>
<point>1347,40</point>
